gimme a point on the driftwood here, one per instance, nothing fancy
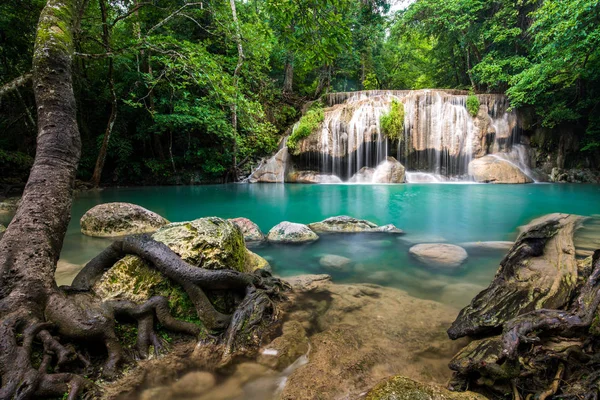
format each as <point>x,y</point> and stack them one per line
<point>537,326</point>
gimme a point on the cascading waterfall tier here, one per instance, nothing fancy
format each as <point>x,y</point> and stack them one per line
<point>440,136</point>
<point>439,142</point>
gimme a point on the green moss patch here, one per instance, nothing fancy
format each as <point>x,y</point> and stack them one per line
<point>392,123</point>
<point>308,124</point>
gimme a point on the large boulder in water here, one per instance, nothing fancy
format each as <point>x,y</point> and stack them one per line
<point>346,224</point>
<point>289,232</point>
<point>211,243</point>
<point>490,169</point>
<point>272,170</point>
<point>311,177</point>
<point>250,230</point>
<point>119,219</point>
<point>389,171</point>
<point>439,255</point>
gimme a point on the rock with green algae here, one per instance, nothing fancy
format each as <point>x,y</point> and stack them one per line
<point>206,242</point>
<point>346,224</point>
<point>119,219</point>
<point>401,388</point>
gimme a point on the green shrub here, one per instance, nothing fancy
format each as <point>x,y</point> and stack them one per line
<point>473,105</point>
<point>309,123</point>
<point>392,123</point>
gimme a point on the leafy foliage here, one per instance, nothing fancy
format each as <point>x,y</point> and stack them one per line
<point>308,124</point>
<point>392,123</point>
<point>473,105</point>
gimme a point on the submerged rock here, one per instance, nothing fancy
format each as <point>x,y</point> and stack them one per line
<point>402,388</point>
<point>540,271</point>
<point>490,169</point>
<point>439,254</point>
<point>311,177</point>
<point>363,333</point>
<point>250,230</point>
<point>290,232</point>
<point>285,349</point>
<point>119,219</point>
<point>334,262</point>
<point>346,224</point>
<point>389,171</point>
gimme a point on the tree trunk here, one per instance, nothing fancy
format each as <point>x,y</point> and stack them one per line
<point>288,78</point>
<point>234,120</point>
<point>113,107</point>
<point>324,80</point>
<point>37,317</point>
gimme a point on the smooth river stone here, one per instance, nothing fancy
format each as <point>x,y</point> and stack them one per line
<point>251,231</point>
<point>439,254</point>
<point>120,219</point>
<point>490,169</point>
<point>290,232</point>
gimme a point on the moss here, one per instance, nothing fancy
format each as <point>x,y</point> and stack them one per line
<point>595,326</point>
<point>401,388</point>
<point>55,27</point>
<point>127,334</point>
<point>308,124</point>
<point>473,105</point>
<point>392,123</point>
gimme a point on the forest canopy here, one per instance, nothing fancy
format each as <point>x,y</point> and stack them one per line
<point>177,91</point>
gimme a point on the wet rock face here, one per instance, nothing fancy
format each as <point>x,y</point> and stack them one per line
<point>490,169</point>
<point>289,232</point>
<point>402,388</point>
<point>346,224</point>
<point>250,230</point>
<point>272,170</point>
<point>389,171</point>
<point>119,219</point>
<point>439,255</point>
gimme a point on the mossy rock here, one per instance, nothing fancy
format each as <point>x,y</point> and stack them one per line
<point>402,388</point>
<point>119,219</point>
<point>211,243</point>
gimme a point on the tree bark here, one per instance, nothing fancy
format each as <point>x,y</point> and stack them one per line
<point>113,107</point>
<point>236,73</point>
<point>288,78</point>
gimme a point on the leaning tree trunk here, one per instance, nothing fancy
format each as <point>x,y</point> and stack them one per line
<point>31,245</point>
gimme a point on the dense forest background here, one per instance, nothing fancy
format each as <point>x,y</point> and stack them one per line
<point>179,92</point>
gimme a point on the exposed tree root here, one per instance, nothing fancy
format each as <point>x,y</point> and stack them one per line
<point>40,355</point>
<point>548,353</point>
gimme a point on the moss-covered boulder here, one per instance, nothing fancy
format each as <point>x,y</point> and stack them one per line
<point>401,388</point>
<point>119,219</point>
<point>211,243</point>
<point>346,224</point>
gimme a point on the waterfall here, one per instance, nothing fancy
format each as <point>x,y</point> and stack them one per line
<point>440,136</point>
<point>439,141</point>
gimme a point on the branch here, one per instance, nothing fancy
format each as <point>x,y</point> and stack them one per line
<point>128,13</point>
<point>164,21</point>
<point>15,84</point>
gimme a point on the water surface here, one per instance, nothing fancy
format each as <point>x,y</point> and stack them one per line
<point>426,212</point>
